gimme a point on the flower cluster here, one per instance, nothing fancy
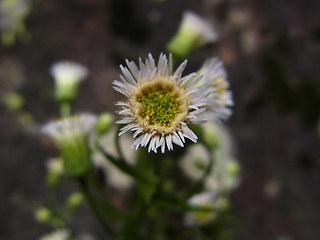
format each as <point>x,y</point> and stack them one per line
<point>161,103</point>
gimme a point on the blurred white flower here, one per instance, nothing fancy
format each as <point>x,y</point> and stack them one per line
<point>62,234</point>
<point>220,99</point>
<point>71,137</point>
<point>194,31</point>
<point>200,217</point>
<point>12,17</point>
<point>67,76</point>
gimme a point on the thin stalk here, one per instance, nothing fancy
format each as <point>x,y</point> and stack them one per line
<point>65,109</point>
<point>85,190</point>
<point>124,166</point>
<point>118,147</point>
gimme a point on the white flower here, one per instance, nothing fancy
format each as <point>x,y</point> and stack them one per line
<point>200,217</point>
<point>68,73</point>
<point>159,103</point>
<point>62,234</point>
<point>71,137</point>
<point>69,128</point>
<point>220,100</point>
<point>199,26</point>
<point>194,31</point>
<point>67,76</point>
<point>13,13</point>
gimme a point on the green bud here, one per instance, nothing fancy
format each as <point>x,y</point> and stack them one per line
<point>75,153</point>
<point>233,168</point>
<point>43,215</point>
<point>104,123</point>
<point>210,136</point>
<point>194,31</point>
<point>65,93</point>
<point>74,200</point>
<point>13,101</point>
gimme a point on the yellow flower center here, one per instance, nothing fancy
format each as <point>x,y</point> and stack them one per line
<point>159,105</point>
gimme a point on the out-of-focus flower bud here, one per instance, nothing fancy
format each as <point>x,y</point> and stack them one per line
<point>71,137</point>
<point>194,31</point>
<point>104,123</point>
<point>67,76</point>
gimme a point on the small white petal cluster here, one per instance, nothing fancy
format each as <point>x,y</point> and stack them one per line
<point>205,199</point>
<point>67,73</point>
<point>202,199</point>
<point>202,28</point>
<point>132,77</point>
<point>71,127</point>
<point>220,99</point>
<point>62,234</point>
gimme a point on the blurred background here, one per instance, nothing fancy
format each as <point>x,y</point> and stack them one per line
<point>271,50</point>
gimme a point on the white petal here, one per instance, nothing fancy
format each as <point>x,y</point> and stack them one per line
<point>176,139</point>
<point>127,75</point>
<point>180,69</point>
<point>133,68</point>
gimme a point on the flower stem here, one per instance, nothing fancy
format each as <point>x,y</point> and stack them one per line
<point>86,192</point>
<point>118,147</point>
<point>65,109</point>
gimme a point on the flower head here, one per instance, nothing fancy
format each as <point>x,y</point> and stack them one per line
<point>67,76</point>
<point>220,99</point>
<point>70,136</point>
<point>159,103</point>
<point>194,31</point>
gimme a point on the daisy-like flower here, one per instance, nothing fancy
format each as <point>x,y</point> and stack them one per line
<point>206,200</point>
<point>62,234</point>
<point>220,100</point>
<point>194,31</point>
<point>159,103</point>
<point>67,76</point>
<point>71,137</point>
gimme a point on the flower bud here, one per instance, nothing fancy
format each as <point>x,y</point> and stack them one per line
<point>71,137</point>
<point>43,215</point>
<point>74,200</point>
<point>67,76</point>
<point>104,123</point>
<point>194,31</point>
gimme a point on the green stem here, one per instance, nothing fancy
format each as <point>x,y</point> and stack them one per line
<point>117,141</point>
<point>85,190</point>
<point>198,185</point>
<point>65,109</point>
<point>124,166</point>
